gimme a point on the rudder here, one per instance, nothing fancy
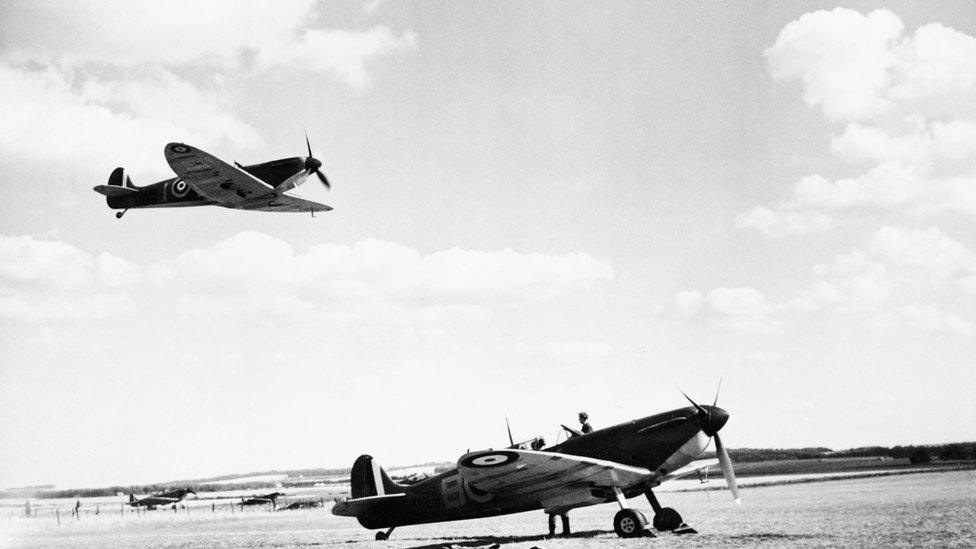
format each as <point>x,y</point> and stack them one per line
<point>369,479</point>
<point>119,183</point>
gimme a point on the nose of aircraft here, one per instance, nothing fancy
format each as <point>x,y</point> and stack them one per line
<point>714,421</point>
<point>312,164</point>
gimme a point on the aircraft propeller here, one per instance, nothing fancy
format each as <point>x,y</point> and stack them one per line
<point>313,164</point>
<point>712,420</point>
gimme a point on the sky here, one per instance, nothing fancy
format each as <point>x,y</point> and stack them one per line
<point>540,208</point>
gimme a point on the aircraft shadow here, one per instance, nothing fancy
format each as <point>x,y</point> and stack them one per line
<point>485,541</point>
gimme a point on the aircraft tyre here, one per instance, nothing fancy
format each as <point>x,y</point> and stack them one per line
<point>381,536</point>
<point>666,520</point>
<point>629,523</point>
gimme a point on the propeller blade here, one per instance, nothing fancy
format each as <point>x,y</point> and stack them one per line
<point>323,180</point>
<point>726,464</point>
<point>309,144</point>
<point>695,404</point>
<point>715,403</point>
<point>511,441</point>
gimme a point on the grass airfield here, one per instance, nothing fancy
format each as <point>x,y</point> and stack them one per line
<point>934,509</point>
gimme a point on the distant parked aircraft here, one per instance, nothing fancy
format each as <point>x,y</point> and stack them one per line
<point>162,499</point>
<point>271,498</point>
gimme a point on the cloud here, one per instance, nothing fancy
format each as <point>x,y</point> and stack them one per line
<point>908,107</point>
<point>905,260</point>
<point>47,114</point>
<point>217,35</point>
<point>761,358</point>
<point>930,319</point>
<point>381,271</point>
<point>94,81</point>
<point>928,250</point>
<point>560,350</point>
<point>45,280</point>
<point>842,57</point>
<point>740,309</point>
<point>339,51</point>
<point>782,222</point>
<point>373,286</point>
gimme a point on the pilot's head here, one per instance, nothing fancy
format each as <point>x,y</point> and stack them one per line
<point>583,416</point>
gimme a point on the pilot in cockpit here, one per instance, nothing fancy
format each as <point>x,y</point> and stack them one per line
<point>584,423</point>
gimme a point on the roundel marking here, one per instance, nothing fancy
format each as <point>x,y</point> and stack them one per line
<point>489,459</point>
<point>180,148</point>
<point>180,188</point>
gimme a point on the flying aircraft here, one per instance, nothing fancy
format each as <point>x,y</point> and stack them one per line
<point>271,498</point>
<point>606,465</point>
<point>157,500</point>
<point>205,180</point>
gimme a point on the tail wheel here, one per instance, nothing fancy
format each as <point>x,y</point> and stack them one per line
<point>629,523</point>
<point>666,519</point>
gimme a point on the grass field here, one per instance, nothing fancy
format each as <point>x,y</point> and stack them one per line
<point>912,510</point>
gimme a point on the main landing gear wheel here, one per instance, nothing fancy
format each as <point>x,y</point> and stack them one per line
<point>666,520</point>
<point>381,536</point>
<point>629,523</point>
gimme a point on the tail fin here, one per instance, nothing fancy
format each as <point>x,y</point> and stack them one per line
<point>132,498</point>
<point>119,184</point>
<point>369,479</point>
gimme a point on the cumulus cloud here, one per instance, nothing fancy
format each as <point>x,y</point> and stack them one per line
<point>372,282</point>
<point>782,222</point>
<point>211,34</point>
<point>383,271</point>
<point>46,113</point>
<point>342,52</point>
<point>906,103</point>
<point>842,57</point>
<point>865,279</point>
<point>930,319</point>
<point>46,280</point>
<point>560,350</point>
<point>93,80</point>
<point>740,309</point>
<point>929,250</point>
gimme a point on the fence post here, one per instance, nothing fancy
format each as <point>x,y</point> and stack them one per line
<point>58,513</point>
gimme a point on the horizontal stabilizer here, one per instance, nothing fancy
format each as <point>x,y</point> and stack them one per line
<point>112,190</point>
<point>355,507</point>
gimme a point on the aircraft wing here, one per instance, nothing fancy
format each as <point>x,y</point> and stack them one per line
<point>215,179</point>
<point>691,468</point>
<point>557,480</point>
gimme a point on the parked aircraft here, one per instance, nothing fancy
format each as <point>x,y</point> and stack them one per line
<point>271,498</point>
<point>606,465</point>
<point>204,180</point>
<point>158,500</point>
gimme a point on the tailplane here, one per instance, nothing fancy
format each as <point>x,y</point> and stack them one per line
<point>119,184</point>
<point>369,479</point>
